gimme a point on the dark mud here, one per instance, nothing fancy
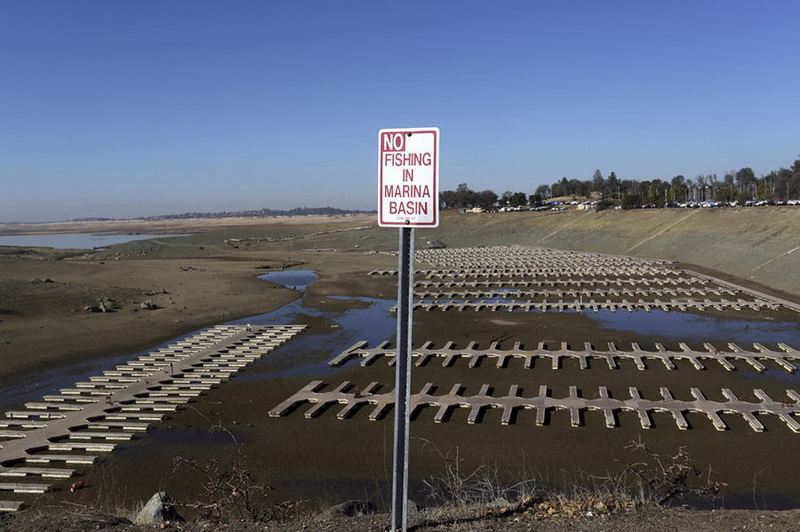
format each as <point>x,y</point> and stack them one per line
<point>328,460</point>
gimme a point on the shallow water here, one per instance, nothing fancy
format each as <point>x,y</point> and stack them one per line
<point>688,327</point>
<point>308,354</point>
<point>51,380</point>
<point>73,240</point>
<point>295,279</point>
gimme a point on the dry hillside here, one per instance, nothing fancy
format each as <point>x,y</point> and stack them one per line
<point>759,245</point>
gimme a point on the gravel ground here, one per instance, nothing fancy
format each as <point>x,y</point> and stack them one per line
<point>652,519</point>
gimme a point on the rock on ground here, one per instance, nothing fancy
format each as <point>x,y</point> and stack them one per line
<point>158,510</point>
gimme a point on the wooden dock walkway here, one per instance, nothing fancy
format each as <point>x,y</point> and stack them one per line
<point>94,416</point>
<point>520,278</point>
<point>503,303</point>
<point>450,352</point>
<point>321,399</point>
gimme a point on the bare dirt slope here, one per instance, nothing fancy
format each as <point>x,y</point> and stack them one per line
<point>760,245</point>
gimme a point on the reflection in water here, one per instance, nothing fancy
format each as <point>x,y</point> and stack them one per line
<point>295,279</point>
<point>308,354</point>
<point>50,381</point>
<point>686,327</point>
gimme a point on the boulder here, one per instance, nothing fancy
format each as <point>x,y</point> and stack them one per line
<point>158,510</point>
<point>412,508</point>
<point>499,502</point>
<point>108,305</point>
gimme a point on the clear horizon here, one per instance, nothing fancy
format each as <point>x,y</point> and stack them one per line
<point>129,109</point>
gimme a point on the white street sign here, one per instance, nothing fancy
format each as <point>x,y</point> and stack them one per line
<point>408,167</point>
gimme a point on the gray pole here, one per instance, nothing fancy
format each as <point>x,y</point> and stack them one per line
<point>402,387</point>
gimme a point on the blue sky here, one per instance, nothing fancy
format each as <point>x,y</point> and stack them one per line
<point>129,108</point>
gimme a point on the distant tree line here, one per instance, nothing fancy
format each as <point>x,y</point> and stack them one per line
<point>735,186</point>
<point>259,213</point>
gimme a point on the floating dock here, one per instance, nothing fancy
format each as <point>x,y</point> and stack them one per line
<point>527,279</point>
<point>94,416</point>
<point>449,353</point>
<point>321,399</point>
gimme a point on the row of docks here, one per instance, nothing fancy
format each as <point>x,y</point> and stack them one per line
<point>523,256</point>
<point>564,271</point>
<point>595,306</point>
<point>577,283</point>
<point>513,278</point>
<point>535,294</point>
<point>449,353</point>
<point>510,273</point>
<point>513,262</point>
<point>40,444</point>
<point>567,259</point>
<point>353,400</point>
<point>521,261</point>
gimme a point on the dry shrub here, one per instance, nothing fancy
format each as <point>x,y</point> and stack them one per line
<point>662,479</point>
<point>231,493</point>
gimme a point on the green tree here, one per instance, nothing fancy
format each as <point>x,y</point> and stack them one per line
<point>486,199</point>
<point>447,199</point>
<point>598,182</point>
<point>613,186</point>
<point>630,201</point>
<point>464,196</point>
<point>544,192</point>
<point>679,188</point>
<point>518,199</point>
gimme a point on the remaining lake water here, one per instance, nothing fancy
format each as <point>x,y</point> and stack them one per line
<point>74,240</point>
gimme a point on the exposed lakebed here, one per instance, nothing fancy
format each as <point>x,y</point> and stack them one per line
<point>326,458</point>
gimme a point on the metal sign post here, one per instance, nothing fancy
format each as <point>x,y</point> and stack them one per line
<point>403,379</point>
<point>408,197</point>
